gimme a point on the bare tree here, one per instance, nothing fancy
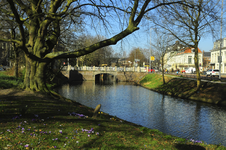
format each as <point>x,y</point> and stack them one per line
<point>189,22</point>
<point>10,27</point>
<point>162,45</point>
<point>137,53</point>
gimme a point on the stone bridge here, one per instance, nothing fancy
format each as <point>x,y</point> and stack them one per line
<point>95,75</point>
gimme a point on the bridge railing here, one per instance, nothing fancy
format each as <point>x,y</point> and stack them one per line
<point>131,69</point>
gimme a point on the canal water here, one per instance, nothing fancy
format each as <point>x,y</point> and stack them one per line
<point>175,116</point>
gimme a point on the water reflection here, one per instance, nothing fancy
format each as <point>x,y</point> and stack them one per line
<point>178,117</point>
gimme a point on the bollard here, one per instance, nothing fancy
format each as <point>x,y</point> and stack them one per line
<point>96,110</point>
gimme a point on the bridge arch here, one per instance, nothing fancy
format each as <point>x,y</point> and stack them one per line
<point>105,77</point>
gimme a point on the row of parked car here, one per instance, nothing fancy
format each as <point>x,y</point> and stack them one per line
<point>188,70</point>
<point>210,72</point>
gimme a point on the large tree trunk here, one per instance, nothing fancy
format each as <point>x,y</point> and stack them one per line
<point>16,52</point>
<point>197,68</point>
<point>35,75</point>
<point>197,74</point>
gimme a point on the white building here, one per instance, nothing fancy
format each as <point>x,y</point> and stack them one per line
<point>181,59</point>
<point>215,52</point>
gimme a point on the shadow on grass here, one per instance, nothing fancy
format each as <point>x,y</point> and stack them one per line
<point>185,88</point>
<point>9,82</point>
<point>177,87</point>
<point>14,103</point>
<point>189,147</point>
<point>9,78</point>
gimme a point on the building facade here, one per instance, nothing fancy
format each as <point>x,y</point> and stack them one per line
<point>182,59</point>
<point>206,61</point>
<point>215,52</point>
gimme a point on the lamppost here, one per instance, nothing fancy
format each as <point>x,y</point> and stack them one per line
<point>150,47</point>
<point>220,58</point>
<point>178,48</point>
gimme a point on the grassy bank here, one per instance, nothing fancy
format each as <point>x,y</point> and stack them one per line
<point>7,81</point>
<point>32,120</point>
<point>209,92</point>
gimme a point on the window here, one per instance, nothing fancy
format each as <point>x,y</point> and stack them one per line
<point>189,59</point>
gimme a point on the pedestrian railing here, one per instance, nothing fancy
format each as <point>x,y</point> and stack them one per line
<point>118,69</point>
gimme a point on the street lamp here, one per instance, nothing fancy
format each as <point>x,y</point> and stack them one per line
<point>150,47</point>
<point>220,58</point>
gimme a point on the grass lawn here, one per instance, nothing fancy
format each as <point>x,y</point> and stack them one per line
<point>33,120</point>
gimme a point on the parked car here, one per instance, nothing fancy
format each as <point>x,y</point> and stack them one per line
<point>150,70</point>
<point>182,71</point>
<point>212,72</point>
<point>190,70</point>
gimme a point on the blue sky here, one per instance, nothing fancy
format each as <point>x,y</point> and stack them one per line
<point>140,38</point>
<point>206,44</point>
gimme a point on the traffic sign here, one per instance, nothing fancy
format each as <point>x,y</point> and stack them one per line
<point>152,58</point>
